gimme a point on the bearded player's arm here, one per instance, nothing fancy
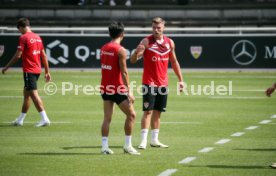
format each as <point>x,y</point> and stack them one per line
<point>176,67</point>
<point>140,49</point>
<point>123,67</point>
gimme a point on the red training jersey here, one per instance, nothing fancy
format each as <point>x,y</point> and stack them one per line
<point>156,59</point>
<point>31,46</point>
<point>112,81</point>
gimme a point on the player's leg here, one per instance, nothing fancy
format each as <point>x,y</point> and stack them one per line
<point>148,104</point>
<point>40,108</point>
<point>145,124</point>
<point>26,102</point>
<point>31,88</point>
<point>155,126</point>
<point>37,100</point>
<point>160,106</point>
<point>127,108</point>
<point>108,111</point>
<point>25,107</point>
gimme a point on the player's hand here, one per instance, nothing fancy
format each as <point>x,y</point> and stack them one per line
<point>181,86</point>
<point>4,70</point>
<point>269,91</point>
<point>47,77</point>
<point>140,49</point>
<point>131,98</point>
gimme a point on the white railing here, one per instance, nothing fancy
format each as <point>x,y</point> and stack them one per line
<point>83,30</point>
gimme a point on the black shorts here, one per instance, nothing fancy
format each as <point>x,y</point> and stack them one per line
<point>117,98</point>
<point>30,80</point>
<point>154,98</point>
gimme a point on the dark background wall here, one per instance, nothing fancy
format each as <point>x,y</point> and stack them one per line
<point>192,51</point>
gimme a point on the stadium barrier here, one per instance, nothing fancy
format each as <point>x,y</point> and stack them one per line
<point>195,47</point>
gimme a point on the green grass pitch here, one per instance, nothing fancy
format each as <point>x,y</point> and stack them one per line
<point>71,145</point>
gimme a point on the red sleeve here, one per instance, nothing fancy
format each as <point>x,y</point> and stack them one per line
<point>21,43</point>
<point>42,46</point>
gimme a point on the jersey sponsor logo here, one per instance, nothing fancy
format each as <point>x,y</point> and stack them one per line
<point>2,49</point>
<point>34,40</point>
<point>36,52</point>
<point>107,53</point>
<point>156,59</point>
<point>106,67</point>
<point>244,52</point>
<point>196,51</point>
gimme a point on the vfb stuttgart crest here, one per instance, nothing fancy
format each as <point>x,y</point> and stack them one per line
<point>146,104</point>
<point>196,51</point>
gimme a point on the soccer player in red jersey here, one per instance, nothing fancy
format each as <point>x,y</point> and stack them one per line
<point>115,87</point>
<point>31,50</point>
<point>157,51</point>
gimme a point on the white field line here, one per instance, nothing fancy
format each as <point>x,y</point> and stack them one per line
<point>249,90</point>
<point>168,172</point>
<point>139,71</point>
<point>187,160</point>
<point>239,98</point>
<point>57,122</point>
<point>231,77</point>
<point>188,123</point>
<point>273,116</point>
<point>251,127</point>
<point>138,85</point>
<point>237,134</point>
<point>206,150</point>
<point>195,91</point>
<point>218,77</point>
<point>18,96</point>
<point>61,122</point>
<point>193,123</point>
<point>223,141</point>
<point>265,122</point>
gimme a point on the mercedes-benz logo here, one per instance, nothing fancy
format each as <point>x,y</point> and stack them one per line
<point>244,52</point>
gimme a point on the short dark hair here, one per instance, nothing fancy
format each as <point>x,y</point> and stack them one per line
<point>115,29</point>
<point>23,22</point>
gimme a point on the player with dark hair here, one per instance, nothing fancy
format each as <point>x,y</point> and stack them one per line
<point>157,50</point>
<point>31,50</point>
<point>115,87</point>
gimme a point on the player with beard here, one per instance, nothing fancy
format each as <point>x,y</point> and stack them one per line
<point>157,51</point>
